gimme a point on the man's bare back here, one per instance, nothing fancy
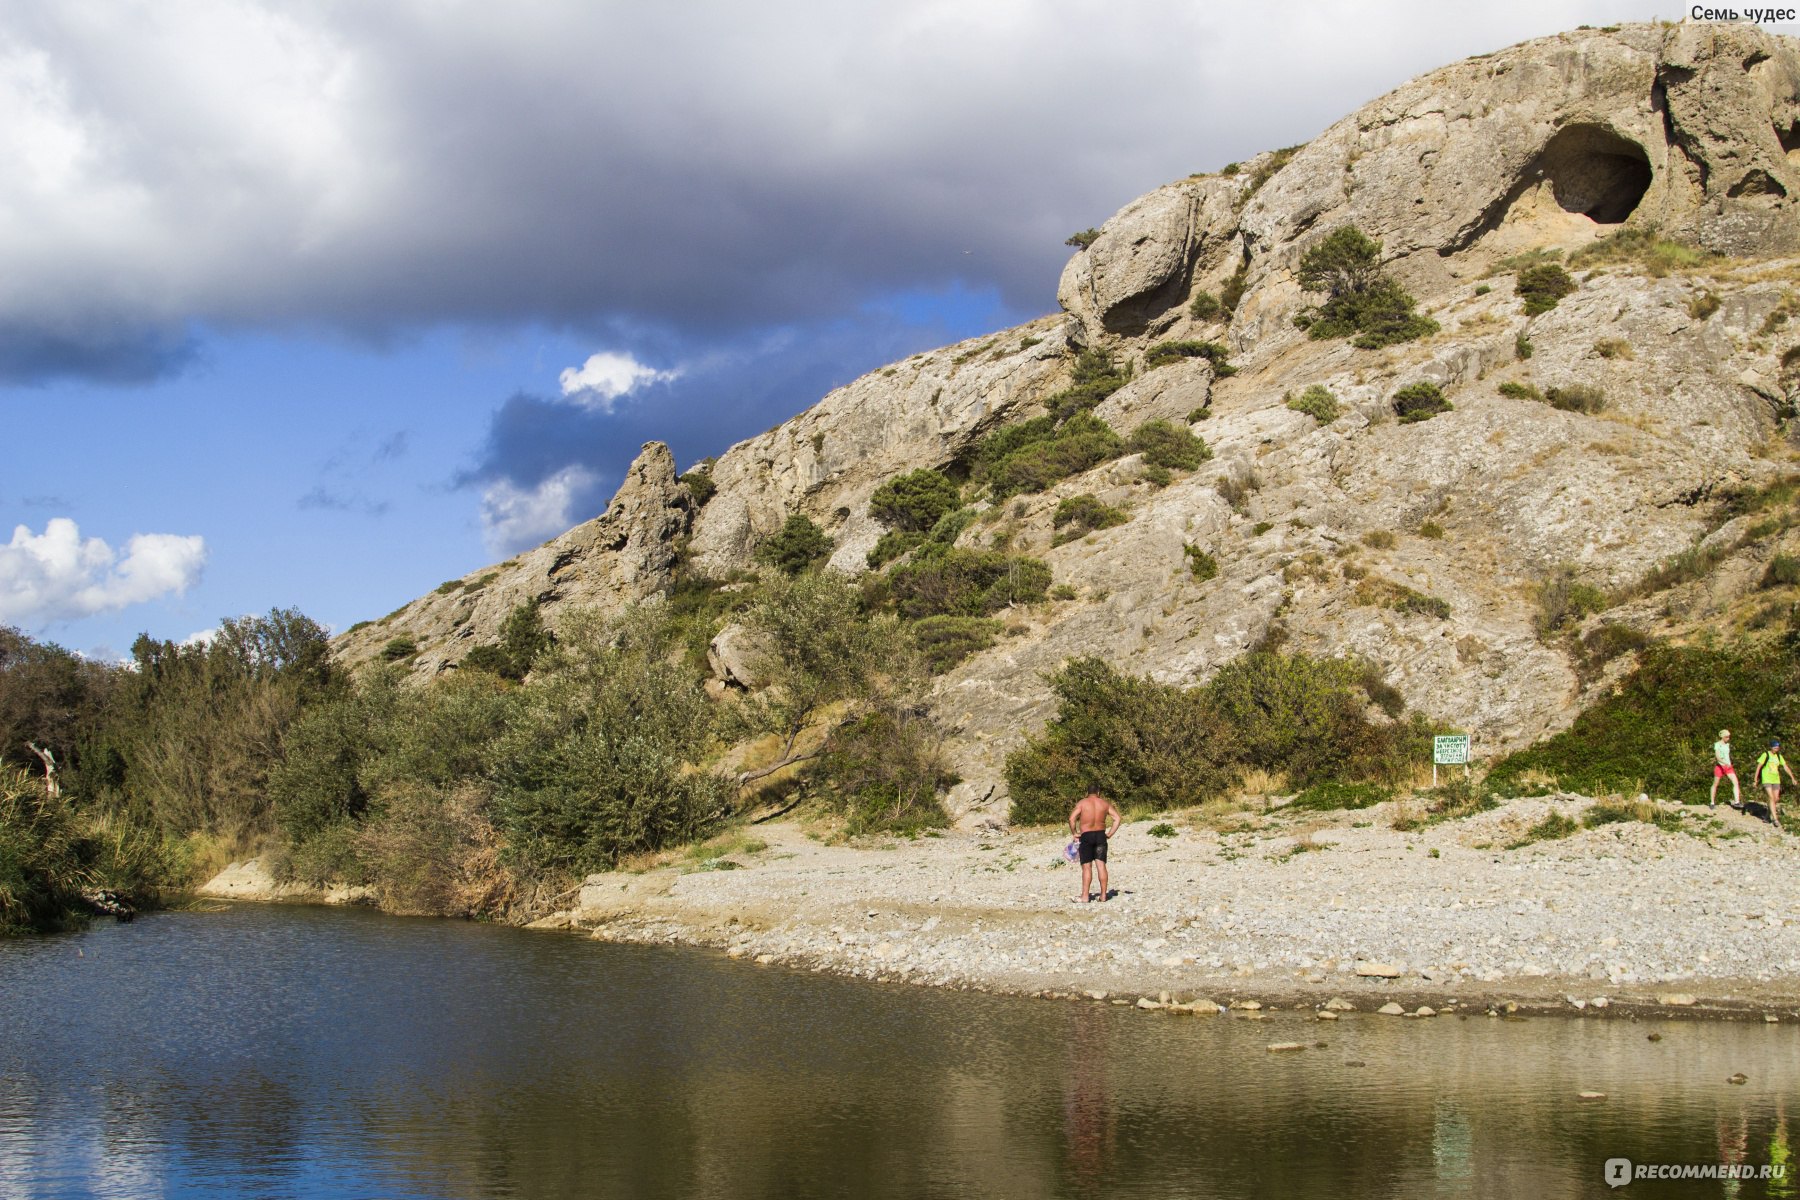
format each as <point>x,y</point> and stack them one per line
<point>1093,820</point>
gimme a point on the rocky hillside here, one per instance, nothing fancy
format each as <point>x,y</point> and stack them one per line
<point>1422,546</point>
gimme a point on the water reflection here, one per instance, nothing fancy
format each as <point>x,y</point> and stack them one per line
<point>303,1052</point>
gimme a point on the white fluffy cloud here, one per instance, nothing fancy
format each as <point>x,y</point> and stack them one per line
<point>606,378</point>
<point>514,518</point>
<point>58,576</point>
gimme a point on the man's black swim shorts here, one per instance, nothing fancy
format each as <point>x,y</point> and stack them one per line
<point>1093,846</point>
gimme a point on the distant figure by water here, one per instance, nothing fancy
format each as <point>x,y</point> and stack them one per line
<point>1093,820</point>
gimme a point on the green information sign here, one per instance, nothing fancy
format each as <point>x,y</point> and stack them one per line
<point>1450,748</point>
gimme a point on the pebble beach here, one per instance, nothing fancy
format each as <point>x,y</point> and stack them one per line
<point>1322,911</point>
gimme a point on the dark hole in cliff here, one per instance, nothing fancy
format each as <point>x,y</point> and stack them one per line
<point>1790,138</point>
<point>1595,172</point>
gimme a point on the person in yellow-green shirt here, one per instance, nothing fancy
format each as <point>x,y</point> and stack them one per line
<point>1769,768</point>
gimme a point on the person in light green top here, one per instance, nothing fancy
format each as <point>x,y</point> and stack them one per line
<point>1769,768</point>
<point>1722,769</point>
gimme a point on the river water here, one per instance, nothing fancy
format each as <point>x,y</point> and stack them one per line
<point>300,1052</point>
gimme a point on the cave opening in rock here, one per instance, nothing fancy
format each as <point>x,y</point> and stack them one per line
<point>1595,172</point>
<point>1790,140</point>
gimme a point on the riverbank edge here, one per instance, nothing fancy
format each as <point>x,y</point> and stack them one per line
<point>1264,996</point>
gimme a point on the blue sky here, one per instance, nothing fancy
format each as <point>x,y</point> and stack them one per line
<point>319,305</point>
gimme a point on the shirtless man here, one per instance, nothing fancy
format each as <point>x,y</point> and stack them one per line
<point>1093,820</point>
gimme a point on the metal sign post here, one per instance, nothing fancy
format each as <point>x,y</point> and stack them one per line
<point>1449,748</point>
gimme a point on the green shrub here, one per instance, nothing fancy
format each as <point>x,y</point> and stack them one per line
<point>522,638</point>
<point>970,583</point>
<point>1033,455</point>
<point>943,641</point>
<point>1093,377</point>
<point>596,759</point>
<point>1541,287</point>
<point>1199,414</point>
<point>1362,303</point>
<point>1201,565</point>
<point>1083,239</point>
<point>1233,291</point>
<point>1164,353</point>
<point>1576,397</point>
<point>1482,289</point>
<point>1521,391</point>
<point>404,646</point>
<point>892,545</point>
<point>1432,530</point>
<point>1703,305</point>
<point>448,586</point>
<point>50,852</point>
<point>699,482</point>
<point>1655,731</point>
<point>798,546</point>
<point>1079,515</point>
<point>916,501</point>
<point>1147,745</point>
<point>1205,307</point>
<point>1156,476</point>
<point>1158,746</point>
<point>1332,796</point>
<point>1316,402</point>
<point>1164,445</point>
<point>884,771</point>
<point>1783,571</point>
<point>1419,402</point>
<point>1522,348</point>
<point>1379,539</point>
<point>1563,601</point>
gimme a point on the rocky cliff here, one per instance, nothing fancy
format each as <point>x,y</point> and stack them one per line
<point>1423,546</point>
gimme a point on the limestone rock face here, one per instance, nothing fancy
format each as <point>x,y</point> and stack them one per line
<point>732,657</point>
<point>622,556</point>
<point>1419,548</point>
<point>1693,128</point>
<point>827,461</point>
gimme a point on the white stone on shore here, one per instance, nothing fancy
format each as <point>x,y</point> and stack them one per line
<point>1391,1009</point>
<point>1379,970</point>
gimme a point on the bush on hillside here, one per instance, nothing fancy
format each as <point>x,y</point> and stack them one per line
<point>959,582</point>
<point>1077,516</point>
<point>1164,353</point>
<point>1033,455</point>
<point>916,501</point>
<point>884,771</point>
<point>1316,402</point>
<point>945,640</point>
<point>1168,446</point>
<point>1362,302</point>
<point>1159,746</point>
<point>798,546</point>
<point>1655,731</point>
<point>1542,286</point>
<point>1419,402</point>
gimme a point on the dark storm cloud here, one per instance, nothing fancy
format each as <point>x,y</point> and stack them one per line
<point>711,167</point>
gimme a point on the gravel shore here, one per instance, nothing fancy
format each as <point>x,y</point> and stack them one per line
<point>1271,910</point>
